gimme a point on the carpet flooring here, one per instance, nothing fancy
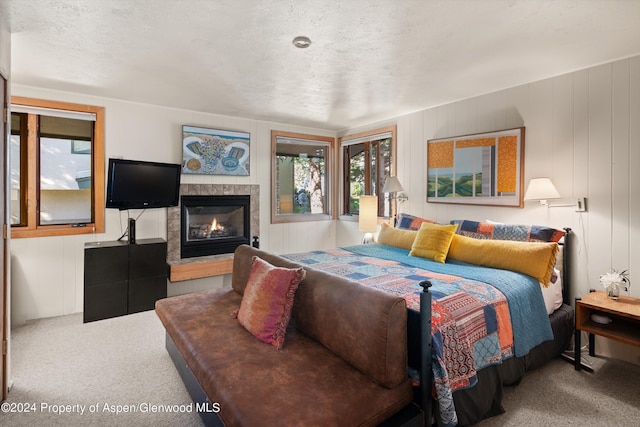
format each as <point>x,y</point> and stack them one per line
<point>116,372</point>
<point>557,395</point>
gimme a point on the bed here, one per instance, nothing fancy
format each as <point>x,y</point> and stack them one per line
<point>480,326</point>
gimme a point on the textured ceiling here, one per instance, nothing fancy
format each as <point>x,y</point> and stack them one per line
<point>369,60</point>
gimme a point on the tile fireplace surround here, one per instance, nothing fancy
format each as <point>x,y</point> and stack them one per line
<point>173,216</point>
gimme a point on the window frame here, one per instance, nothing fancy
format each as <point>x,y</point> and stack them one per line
<point>366,136</point>
<point>326,141</point>
<point>29,174</point>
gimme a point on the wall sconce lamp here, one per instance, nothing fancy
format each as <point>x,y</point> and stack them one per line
<point>392,185</point>
<point>543,189</point>
<point>368,217</point>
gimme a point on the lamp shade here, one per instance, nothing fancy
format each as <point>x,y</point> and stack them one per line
<point>541,189</point>
<point>368,215</point>
<point>392,185</point>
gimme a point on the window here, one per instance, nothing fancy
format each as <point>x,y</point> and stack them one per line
<point>57,168</point>
<point>301,171</point>
<point>367,161</point>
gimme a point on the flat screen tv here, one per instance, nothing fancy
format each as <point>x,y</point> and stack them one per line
<point>136,184</point>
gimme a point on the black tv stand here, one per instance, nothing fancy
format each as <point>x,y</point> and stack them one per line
<point>122,278</point>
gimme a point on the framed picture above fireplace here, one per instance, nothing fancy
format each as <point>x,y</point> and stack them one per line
<point>208,151</point>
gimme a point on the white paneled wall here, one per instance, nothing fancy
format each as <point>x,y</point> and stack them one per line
<point>48,273</point>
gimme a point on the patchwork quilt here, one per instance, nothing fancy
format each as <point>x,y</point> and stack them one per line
<point>480,316</point>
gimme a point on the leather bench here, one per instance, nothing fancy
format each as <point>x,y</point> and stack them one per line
<point>344,361</point>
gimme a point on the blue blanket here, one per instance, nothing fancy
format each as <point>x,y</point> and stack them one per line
<point>529,317</point>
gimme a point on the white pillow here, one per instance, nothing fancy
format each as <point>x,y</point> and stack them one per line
<point>552,294</point>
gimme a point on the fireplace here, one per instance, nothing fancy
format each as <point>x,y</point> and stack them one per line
<point>213,224</point>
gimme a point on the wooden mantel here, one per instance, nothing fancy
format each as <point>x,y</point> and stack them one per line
<point>195,268</point>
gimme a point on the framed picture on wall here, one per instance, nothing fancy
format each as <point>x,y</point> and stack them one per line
<point>478,169</point>
<point>215,151</point>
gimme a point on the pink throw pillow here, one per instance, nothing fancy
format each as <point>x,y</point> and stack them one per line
<point>266,306</point>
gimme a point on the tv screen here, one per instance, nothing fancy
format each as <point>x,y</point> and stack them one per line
<point>136,184</point>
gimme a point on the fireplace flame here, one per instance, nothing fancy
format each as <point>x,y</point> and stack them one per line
<point>215,226</point>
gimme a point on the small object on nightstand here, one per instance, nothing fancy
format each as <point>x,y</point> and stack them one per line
<point>614,281</point>
<point>598,318</point>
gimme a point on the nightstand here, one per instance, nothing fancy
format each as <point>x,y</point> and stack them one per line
<point>618,320</point>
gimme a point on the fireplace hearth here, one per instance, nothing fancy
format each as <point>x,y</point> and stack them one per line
<point>213,224</point>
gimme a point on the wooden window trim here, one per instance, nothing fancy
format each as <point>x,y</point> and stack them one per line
<point>98,188</point>
<point>330,160</point>
<point>24,125</point>
<point>393,129</point>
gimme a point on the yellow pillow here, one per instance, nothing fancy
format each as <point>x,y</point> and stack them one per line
<point>433,241</point>
<point>396,237</point>
<point>533,258</point>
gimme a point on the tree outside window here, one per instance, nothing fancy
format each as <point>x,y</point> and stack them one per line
<point>367,162</point>
<point>301,177</point>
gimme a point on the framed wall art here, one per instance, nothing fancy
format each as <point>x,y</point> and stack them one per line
<point>214,151</point>
<point>479,169</point>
